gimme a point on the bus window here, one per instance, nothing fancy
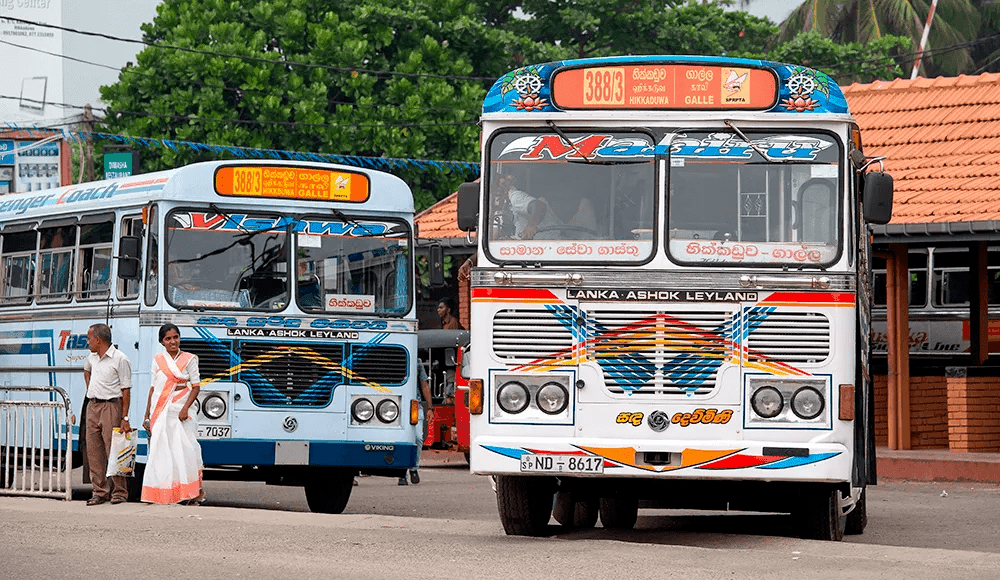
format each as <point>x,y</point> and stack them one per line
<point>18,266</point>
<point>213,263</point>
<point>951,277</point>
<point>363,270</point>
<point>95,260</point>
<point>153,255</point>
<point>56,264</point>
<point>918,279</point>
<point>131,226</point>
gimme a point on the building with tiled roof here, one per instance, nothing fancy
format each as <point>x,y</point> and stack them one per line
<point>941,140</point>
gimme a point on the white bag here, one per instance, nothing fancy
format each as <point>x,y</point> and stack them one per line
<point>121,458</point>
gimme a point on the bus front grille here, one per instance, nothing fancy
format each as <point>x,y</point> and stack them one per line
<point>786,336</point>
<point>291,374</point>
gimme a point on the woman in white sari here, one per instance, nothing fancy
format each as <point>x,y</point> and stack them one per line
<point>174,466</point>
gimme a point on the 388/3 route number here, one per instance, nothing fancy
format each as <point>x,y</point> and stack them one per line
<point>604,86</point>
<point>531,463</point>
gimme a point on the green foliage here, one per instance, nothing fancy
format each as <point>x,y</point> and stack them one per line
<point>846,63</point>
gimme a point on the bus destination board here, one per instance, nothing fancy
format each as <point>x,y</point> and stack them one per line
<point>664,86</point>
<point>272,181</point>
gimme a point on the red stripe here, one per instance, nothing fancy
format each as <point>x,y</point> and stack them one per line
<point>811,297</point>
<point>513,294</point>
<point>740,461</point>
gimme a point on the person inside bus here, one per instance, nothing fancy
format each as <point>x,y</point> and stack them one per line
<point>309,286</point>
<point>446,311</point>
<point>534,219</point>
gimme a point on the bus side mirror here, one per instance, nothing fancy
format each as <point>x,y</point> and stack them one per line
<point>878,198</point>
<point>128,257</point>
<point>468,206</point>
<point>435,264</point>
<point>464,368</point>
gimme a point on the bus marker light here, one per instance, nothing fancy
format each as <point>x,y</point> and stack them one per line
<point>476,397</point>
<point>846,402</point>
<point>414,411</point>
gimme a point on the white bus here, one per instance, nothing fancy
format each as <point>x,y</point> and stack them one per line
<point>292,282</point>
<point>670,303</point>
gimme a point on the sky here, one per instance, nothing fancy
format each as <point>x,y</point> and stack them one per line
<point>776,10</point>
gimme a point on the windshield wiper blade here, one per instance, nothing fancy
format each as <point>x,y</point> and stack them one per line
<point>340,216</point>
<point>567,140</point>
<point>228,217</point>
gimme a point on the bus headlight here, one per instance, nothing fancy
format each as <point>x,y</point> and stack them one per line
<point>362,410</point>
<point>387,411</point>
<point>552,398</point>
<point>767,402</point>
<point>807,403</point>
<point>213,407</point>
<point>513,397</point>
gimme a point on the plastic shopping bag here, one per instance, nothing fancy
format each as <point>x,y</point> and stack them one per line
<point>121,459</point>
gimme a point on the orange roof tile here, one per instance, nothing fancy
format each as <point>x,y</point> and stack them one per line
<point>439,221</point>
<point>941,139</point>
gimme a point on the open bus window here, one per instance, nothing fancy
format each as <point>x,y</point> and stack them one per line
<point>571,196</point>
<point>129,288</point>
<point>729,205</point>
<point>223,261</point>
<point>18,266</point>
<point>353,266</point>
<point>55,274</point>
<point>917,275</point>
<point>95,253</point>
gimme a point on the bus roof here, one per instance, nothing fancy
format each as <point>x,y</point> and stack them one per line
<point>665,83</point>
<point>195,183</point>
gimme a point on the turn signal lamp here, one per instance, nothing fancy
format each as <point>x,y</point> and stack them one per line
<point>846,403</point>
<point>475,396</point>
<point>414,411</point>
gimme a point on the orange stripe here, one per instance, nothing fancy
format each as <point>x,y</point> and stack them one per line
<point>173,494</point>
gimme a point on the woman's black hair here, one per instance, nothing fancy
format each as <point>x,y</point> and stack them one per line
<point>167,328</point>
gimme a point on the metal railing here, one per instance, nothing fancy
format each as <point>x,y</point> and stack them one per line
<point>35,442</point>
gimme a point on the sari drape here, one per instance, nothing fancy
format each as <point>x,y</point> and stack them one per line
<point>174,466</point>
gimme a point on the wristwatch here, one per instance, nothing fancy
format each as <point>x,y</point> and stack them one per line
<point>125,418</point>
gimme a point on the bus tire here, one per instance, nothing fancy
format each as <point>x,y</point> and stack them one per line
<point>573,512</point>
<point>134,484</point>
<point>819,516</point>
<point>524,504</point>
<point>619,512</point>
<point>328,490</point>
<point>857,520</point>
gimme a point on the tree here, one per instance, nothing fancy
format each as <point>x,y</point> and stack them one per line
<point>956,23</point>
<point>393,78</point>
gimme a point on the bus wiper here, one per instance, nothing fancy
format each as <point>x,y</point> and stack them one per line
<point>340,216</point>
<point>229,218</point>
<point>752,145</point>
<point>567,140</point>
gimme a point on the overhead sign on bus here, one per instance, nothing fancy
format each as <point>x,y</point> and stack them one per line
<point>664,86</point>
<point>271,181</point>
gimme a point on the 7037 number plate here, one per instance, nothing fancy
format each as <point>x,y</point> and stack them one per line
<point>531,463</point>
<point>214,431</point>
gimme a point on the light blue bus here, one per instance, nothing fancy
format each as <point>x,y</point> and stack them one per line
<point>292,282</point>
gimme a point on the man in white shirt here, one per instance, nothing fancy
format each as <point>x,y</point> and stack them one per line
<point>534,218</point>
<point>107,373</point>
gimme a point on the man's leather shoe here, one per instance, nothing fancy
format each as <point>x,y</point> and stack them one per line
<point>96,500</point>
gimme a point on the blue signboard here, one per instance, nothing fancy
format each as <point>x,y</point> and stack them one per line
<point>6,155</point>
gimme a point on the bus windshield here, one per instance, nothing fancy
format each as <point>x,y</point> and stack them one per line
<point>242,261</point>
<point>730,205</point>
<point>571,196</point>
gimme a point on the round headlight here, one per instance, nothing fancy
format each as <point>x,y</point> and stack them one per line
<point>213,407</point>
<point>807,403</point>
<point>767,402</point>
<point>362,410</point>
<point>513,397</point>
<point>387,410</point>
<point>552,398</point>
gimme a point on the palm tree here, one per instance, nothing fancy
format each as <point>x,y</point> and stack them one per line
<point>956,24</point>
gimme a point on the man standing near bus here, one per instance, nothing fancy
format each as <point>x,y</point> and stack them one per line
<point>107,372</point>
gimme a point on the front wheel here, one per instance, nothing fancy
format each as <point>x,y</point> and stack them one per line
<point>819,516</point>
<point>525,504</point>
<point>328,490</point>
<point>619,512</point>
